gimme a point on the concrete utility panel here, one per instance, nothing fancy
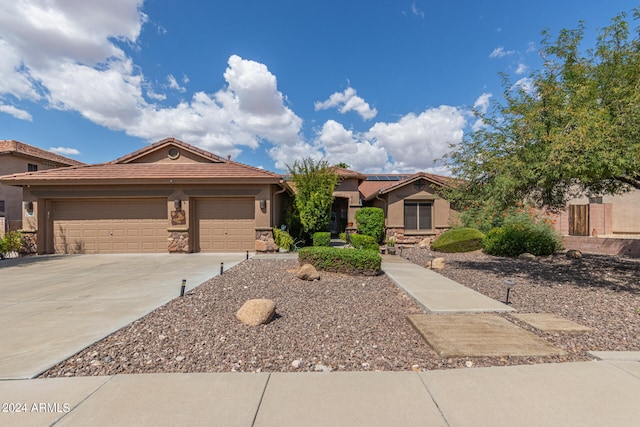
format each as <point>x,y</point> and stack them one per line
<point>550,323</point>
<point>479,335</point>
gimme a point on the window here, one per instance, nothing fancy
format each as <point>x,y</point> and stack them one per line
<point>418,215</point>
<point>595,200</point>
<point>31,167</point>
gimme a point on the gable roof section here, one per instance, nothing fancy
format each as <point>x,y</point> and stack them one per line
<point>10,146</point>
<point>125,171</point>
<point>371,188</point>
<point>144,151</point>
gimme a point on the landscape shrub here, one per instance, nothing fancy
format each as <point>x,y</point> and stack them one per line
<point>371,222</point>
<point>515,238</point>
<point>339,260</point>
<point>458,240</point>
<point>283,239</point>
<point>322,238</point>
<point>362,241</point>
<point>343,236</point>
<point>12,241</point>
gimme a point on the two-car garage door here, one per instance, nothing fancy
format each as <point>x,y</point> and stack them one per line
<point>110,226</point>
<point>140,226</point>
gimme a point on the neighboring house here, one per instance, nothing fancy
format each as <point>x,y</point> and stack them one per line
<point>17,157</point>
<point>167,197</point>
<point>605,224</point>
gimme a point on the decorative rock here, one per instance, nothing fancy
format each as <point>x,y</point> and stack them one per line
<point>256,312</point>
<point>527,256</point>
<point>308,272</point>
<point>424,243</point>
<point>436,263</point>
<point>296,363</point>
<point>574,254</point>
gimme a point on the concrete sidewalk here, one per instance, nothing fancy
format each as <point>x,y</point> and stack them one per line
<point>436,293</point>
<point>571,394</point>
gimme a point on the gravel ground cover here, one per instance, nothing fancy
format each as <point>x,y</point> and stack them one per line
<point>351,323</point>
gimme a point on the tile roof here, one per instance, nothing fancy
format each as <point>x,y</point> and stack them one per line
<point>146,173</point>
<point>369,189</point>
<point>9,146</point>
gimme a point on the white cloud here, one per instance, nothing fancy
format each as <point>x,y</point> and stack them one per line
<point>16,112</point>
<point>522,68</point>
<point>65,151</point>
<point>173,84</point>
<point>415,142</point>
<point>341,145</point>
<point>348,101</point>
<point>416,11</point>
<point>525,84</point>
<point>499,52</point>
<point>531,47</point>
<point>482,106</point>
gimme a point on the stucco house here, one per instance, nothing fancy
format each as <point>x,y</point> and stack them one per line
<point>18,157</point>
<point>166,197</point>
<point>412,208</point>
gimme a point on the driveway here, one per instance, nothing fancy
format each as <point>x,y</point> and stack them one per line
<point>51,307</point>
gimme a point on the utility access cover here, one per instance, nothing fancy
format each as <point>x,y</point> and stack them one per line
<point>479,335</point>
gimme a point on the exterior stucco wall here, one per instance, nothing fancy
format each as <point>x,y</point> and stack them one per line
<point>12,196</point>
<point>39,220</point>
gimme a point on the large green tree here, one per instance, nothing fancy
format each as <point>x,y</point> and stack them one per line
<point>573,130</point>
<point>314,182</point>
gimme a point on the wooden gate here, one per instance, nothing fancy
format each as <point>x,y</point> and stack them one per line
<point>578,220</point>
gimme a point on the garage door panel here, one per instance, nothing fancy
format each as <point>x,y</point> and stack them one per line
<point>110,226</point>
<point>226,225</point>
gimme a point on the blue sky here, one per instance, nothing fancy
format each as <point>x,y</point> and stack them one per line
<point>383,85</point>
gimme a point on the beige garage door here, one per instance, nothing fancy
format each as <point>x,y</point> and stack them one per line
<point>226,225</point>
<point>110,226</point>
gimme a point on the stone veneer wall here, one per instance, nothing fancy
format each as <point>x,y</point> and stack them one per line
<point>179,242</point>
<point>264,241</point>
<point>412,239</point>
<point>29,246</point>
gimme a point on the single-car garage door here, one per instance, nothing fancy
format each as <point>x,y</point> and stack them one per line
<point>110,226</point>
<point>226,225</point>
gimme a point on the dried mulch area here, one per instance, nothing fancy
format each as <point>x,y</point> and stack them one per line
<point>351,323</point>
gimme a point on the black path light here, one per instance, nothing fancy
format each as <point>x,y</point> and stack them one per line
<point>510,283</point>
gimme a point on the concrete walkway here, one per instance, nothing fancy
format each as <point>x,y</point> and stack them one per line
<point>436,293</point>
<point>598,393</point>
<point>571,394</point>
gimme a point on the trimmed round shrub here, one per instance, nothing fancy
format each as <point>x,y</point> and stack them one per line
<point>283,239</point>
<point>371,222</point>
<point>459,240</point>
<point>322,238</point>
<point>517,238</point>
<point>362,241</point>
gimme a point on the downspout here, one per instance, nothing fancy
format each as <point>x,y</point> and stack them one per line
<point>385,210</point>
<point>281,183</point>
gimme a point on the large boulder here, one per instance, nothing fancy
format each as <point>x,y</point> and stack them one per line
<point>436,263</point>
<point>308,272</point>
<point>574,254</point>
<point>527,257</point>
<point>256,312</point>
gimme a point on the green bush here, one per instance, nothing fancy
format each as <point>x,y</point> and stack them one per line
<point>362,241</point>
<point>322,238</point>
<point>343,236</point>
<point>338,260</point>
<point>12,241</point>
<point>515,238</point>
<point>459,240</point>
<point>371,222</point>
<point>282,239</point>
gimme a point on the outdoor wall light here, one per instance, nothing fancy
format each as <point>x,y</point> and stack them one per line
<point>28,206</point>
<point>510,283</point>
<point>177,203</point>
<point>263,204</point>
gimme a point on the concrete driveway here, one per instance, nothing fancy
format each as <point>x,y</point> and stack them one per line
<point>51,307</point>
